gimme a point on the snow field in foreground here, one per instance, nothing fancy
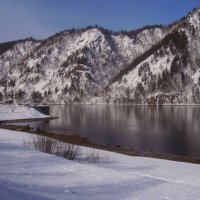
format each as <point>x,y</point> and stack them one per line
<point>28,174</point>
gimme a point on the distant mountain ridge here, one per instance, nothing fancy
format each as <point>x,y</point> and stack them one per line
<point>152,65</point>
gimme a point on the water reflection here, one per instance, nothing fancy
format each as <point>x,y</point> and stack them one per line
<point>170,129</point>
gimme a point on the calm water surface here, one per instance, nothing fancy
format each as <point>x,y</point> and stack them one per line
<point>166,129</point>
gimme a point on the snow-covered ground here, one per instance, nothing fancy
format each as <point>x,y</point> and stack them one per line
<point>28,174</point>
<point>13,112</point>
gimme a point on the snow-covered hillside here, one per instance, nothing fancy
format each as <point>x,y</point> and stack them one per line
<point>153,65</point>
<point>72,66</point>
<point>14,56</point>
<point>28,174</point>
<point>169,73</point>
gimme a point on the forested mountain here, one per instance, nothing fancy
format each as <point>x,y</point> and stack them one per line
<point>152,65</point>
<point>167,73</point>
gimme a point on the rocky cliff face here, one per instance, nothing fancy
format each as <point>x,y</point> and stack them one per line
<point>71,66</point>
<point>169,73</point>
<point>154,65</point>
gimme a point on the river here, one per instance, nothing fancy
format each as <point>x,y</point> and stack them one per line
<point>165,129</point>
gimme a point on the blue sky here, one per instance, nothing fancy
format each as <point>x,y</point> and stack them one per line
<point>41,18</point>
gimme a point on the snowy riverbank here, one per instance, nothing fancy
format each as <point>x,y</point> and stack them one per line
<point>28,174</point>
<point>15,112</point>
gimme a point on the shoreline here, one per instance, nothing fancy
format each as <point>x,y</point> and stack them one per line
<point>117,104</point>
<point>27,120</point>
<point>84,141</point>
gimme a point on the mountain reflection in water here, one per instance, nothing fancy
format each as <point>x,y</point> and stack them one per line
<point>166,129</point>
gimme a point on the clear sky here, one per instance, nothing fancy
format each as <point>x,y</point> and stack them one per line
<point>41,18</point>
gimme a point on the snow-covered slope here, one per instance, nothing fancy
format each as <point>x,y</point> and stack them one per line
<point>14,112</point>
<point>71,66</point>
<point>15,55</point>
<point>28,174</point>
<point>169,73</point>
<point>153,65</point>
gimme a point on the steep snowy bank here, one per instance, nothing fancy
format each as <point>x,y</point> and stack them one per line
<point>13,112</point>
